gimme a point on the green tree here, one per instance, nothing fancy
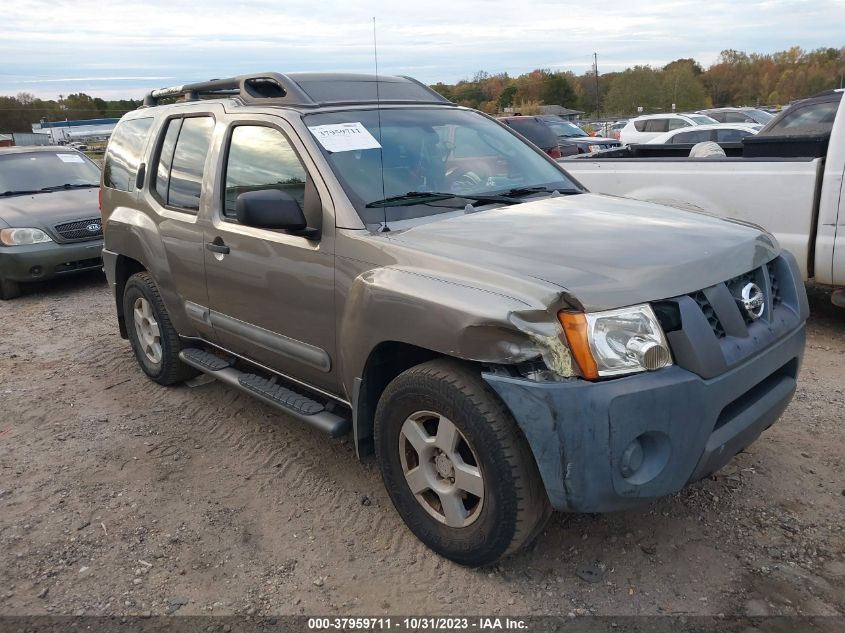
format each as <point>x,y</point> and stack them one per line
<point>639,86</point>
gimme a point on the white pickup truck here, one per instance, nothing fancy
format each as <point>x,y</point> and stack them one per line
<point>791,188</point>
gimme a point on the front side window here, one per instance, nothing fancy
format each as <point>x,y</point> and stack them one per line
<point>33,172</point>
<point>701,119</point>
<point>261,158</point>
<point>677,124</point>
<point>435,149</point>
<point>565,128</point>
<point>180,170</point>
<point>123,155</point>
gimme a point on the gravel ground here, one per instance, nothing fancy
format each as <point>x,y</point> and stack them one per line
<point>118,496</point>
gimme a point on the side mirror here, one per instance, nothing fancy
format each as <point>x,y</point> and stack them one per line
<point>272,209</point>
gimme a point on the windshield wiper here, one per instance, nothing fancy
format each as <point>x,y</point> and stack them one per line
<point>524,191</point>
<point>19,192</point>
<point>418,197</point>
<point>67,185</point>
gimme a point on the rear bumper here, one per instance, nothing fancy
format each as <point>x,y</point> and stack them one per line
<point>588,438</point>
<point>37,262</point>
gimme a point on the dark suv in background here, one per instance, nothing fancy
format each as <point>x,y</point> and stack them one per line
<point>568,137</point>
<point>49,217</point>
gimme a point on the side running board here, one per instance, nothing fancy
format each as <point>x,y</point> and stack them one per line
<point>270,392</point>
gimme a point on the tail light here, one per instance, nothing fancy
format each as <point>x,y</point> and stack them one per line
<point>554,152</point>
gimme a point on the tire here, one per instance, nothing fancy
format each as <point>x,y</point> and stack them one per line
<point>158,356</point>
<point>9,289</point>
<point>512,506</point>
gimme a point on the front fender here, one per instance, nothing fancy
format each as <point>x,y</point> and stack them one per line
<point>415,307</point>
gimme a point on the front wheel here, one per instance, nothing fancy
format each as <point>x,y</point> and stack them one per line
<point>455,465</point>
<point>154,339</point>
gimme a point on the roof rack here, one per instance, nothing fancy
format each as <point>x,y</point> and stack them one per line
<point>308,90</point>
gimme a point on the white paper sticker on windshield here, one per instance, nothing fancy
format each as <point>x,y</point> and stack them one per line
<point>70,158</point>
<point>344,137</point>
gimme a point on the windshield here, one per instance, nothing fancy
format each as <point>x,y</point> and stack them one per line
<point>700,119</point>
<point>426,150</point>
<point>761,116</point>
<point>34,171</point>
<point>565,128</point>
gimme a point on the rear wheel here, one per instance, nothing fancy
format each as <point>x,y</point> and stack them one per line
<point>9,289</point>
<point>455,465</point>
<point>154,339</point>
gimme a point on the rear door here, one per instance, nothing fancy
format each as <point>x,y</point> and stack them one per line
<point>177,188</point>
<point>271,293</point>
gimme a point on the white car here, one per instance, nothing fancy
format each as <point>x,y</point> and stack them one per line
<point>718,133</point>
<point>644,128</point>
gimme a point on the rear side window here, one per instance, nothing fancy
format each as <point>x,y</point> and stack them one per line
<point>731,136</point>
<point>737,117</point>
<point>180,170</point>
<point>640,125</point>
<point>693,136</point>
<point>124,153</point>
<point>657,125</point>
<point>721,117</point>
<point>261,158</point>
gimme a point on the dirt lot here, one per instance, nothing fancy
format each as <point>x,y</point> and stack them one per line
<point>118,496</point>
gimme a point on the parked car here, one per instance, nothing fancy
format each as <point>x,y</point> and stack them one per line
<point>615,129</point>
<point>535,131</point>
<point>646,127</point>
<point>788,184</point>
<point>49,218</point>
<point>570,138</point>
<point>809,117</point>
<point>414,273</point>
<point>718,133</point>
<point>738,115</point>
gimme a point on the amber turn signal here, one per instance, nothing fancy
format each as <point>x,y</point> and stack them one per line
<point>575,328</point>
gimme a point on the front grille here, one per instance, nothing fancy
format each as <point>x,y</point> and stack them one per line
<point>709,313</point>
<point>773,280</point>
<point>717,332</point>
<point>80,230</point>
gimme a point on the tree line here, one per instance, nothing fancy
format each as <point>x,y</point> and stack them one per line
<point>735,79</point>
<point>17,114</point>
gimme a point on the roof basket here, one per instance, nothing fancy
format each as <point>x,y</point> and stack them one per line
<point>309,90</point>
<point>250,88</point>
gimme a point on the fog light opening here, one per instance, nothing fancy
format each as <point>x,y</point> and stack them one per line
<point>645,457</point>
<point>36,271</point>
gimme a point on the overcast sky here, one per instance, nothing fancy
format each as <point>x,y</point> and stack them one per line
<point>121,49</point>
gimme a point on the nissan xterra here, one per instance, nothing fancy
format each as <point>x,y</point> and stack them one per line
<point>367,257</point>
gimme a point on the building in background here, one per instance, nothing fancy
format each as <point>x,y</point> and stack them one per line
<point>62,132</point>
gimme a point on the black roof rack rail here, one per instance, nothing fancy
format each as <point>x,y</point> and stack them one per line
<point>308,90</point>
<point>252,88</point>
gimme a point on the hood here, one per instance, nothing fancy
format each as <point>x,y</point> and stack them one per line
<point>606,252</point>
<point>43,210</point>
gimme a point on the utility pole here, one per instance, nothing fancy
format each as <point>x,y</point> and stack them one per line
<point>596,73</point>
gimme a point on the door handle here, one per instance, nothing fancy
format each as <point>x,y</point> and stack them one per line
<point>217,247</point>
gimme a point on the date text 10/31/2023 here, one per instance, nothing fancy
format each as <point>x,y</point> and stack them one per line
<point>417,623</point>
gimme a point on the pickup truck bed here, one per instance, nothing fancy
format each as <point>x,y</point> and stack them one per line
<point>790,186</point>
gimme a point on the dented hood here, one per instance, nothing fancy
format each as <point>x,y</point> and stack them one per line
<point>606,252</point>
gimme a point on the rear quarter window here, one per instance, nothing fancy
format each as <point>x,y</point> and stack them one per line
<point>124,153</point>
<point>535,132</point>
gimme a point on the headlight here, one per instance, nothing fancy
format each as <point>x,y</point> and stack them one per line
<point>19,237</point>
<point>616,342</point>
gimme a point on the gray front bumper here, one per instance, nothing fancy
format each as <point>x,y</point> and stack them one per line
<point>687,427</point>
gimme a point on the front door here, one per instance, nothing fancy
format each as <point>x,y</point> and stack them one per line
<point>271,294</point>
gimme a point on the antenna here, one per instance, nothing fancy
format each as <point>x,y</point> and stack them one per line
<point>384,227</point>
